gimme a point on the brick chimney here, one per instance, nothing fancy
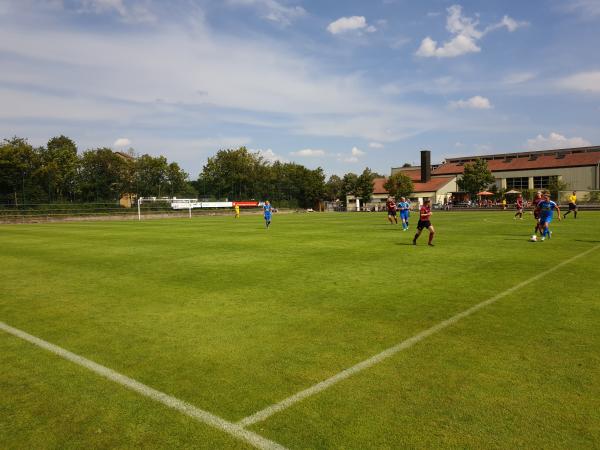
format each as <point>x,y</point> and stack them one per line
<point>425,166</point>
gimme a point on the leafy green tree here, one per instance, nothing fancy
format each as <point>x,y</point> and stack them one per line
<point>364,185</point>
<point>476,177</point>
<point>333,188</point>
<point>19,171</point>
<point>59,168</point>
<point>235,174</point>
<point>151,176</point>
<point>176,180</point>
<point>104,175</point>
<point>555,186</point>
<point>399,185</point>
<point>349,186</point>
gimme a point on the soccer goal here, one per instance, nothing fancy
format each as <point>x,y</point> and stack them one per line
<point>164,205</point>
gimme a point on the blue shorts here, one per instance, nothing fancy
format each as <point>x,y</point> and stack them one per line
<point>546,219</point>
<point>404,214</point>
<point>267,216</point>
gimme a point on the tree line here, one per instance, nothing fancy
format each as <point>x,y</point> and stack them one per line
<point>58,172</point>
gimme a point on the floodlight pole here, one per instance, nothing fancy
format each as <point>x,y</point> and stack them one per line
<point>139,201</point>
<point>190,207</point>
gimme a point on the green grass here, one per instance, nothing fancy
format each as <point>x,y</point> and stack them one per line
<point>232,318</point>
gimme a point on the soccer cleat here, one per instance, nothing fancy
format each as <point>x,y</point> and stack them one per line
<point>414,242</point>
<point>543,238</point>
<point>431,245</point>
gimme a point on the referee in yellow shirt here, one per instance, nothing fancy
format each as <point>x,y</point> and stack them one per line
<point>572,205</point>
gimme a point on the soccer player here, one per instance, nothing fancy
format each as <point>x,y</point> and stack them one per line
<point>424,222</point>
<point>547,208</point>
<point>267,213</point>
<point>237,211</point>
<point>391,210</point>
<point>572,205</point>
<point>404,212</point>
<point>519,207</point>
<point>536,211</point>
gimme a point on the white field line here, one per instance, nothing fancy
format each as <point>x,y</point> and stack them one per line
<point>167,400</point>
<point>325,384</point>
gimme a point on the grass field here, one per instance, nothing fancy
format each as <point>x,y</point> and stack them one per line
<point>233,318</point>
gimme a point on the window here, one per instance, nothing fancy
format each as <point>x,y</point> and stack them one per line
<point>544,182</point>
<point>519,183</point>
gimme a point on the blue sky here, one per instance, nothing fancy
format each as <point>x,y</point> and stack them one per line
<point>341,85</point>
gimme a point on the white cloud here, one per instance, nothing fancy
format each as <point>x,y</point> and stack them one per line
<point>54,77</point>
<point>518,77</point>
<point>354,23</point>
<point>375,145</point>
<point>555,140</point>
<point>399,42</point>
<point>135,12</point>
<point>584,82</point>
<point>357,152</point>
<point>269,155</point>
<point>122,142</point>
<point>465,34</point>
<point>309,152</point>
<point>477,102</point>
<point>354,156</point>
<point>585,8</point>
<point>273,10</point>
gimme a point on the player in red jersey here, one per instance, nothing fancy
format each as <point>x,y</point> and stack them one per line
<point>519,207</point>
<point>424,222</point>
<point>536,212</point>
<point>391,210</point>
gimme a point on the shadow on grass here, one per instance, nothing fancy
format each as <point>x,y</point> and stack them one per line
<point>588,240</point>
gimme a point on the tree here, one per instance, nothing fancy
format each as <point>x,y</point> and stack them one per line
<point>59,168</point>
<point>177,180</point>
<point>104,175</point>
<point>556,186</point>
<point>364,185</point>
<point>476,177</point>
<point>333,188</point>
<point>399,185</point>
<point>349,185</point>
<point>235,174</point>
<point>151,176</point>
<point>19,171</point>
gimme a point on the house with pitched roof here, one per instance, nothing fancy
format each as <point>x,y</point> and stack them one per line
<point>578,168</point>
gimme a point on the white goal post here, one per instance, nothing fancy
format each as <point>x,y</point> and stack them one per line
<point>173,203</point>
<point>190,203</point>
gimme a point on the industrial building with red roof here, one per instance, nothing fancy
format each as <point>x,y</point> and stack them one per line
<point>577,168</point>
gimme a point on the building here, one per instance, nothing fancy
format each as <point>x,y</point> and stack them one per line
<point>577,168</point>
<point>426,185</point>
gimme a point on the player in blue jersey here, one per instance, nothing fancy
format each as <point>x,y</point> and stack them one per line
<point>404,207</point>
<point>547,208</point>
<point>267,213</point>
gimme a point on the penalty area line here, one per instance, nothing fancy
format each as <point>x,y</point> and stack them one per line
<point>325,384</point>
<point>158,396</point>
